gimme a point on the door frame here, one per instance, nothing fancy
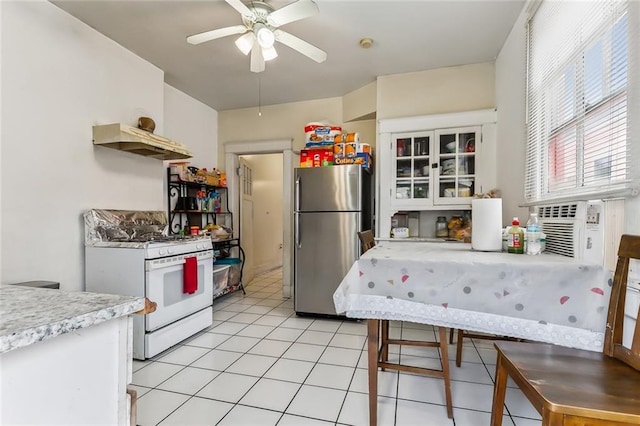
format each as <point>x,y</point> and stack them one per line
<point>233,150</point>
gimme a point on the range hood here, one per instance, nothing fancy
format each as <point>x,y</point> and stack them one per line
<point>126,138</point>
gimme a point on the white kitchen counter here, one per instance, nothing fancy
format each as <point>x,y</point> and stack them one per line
<point>29,315</point>
<point>67,354</point>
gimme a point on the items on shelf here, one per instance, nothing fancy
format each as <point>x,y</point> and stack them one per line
<point>316,157</point>
<point>459,228</point>
<point>327,145</point>
<point>235,270</point>
<point>198,204</point>
<point>192,203</point>
<point>318,133</point>
<point>220,278</point>
<point>182,172</point>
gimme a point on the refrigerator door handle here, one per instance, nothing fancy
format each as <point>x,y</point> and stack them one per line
<point>296,228</point>
<point>358,247</point>
<point>296,204</point>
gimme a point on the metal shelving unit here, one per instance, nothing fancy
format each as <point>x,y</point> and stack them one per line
<point>183,218</point>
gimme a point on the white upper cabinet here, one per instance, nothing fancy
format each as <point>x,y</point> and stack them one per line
<point>435,162</point>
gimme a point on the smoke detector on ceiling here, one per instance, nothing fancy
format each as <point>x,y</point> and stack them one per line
<point>366,43</point>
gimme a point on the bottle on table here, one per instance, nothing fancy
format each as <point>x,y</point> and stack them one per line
<point>515,238</point>
<point>533,235</point>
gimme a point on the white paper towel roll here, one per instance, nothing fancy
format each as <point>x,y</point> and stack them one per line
<point>486,226</point>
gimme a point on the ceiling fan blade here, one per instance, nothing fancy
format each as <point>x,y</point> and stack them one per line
<point>213,34</point>
<point>293,12</point>
<point>301,46</point>
<point>240,7</point>
<point>257,61</point>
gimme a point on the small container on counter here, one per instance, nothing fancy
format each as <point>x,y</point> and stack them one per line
<point>194,230</point>
<point>442,230</point>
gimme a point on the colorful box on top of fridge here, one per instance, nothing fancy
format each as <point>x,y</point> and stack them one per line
<point>321,132</point>
<point>350,149</point>
<point>363,158</point>
<point>316,157</point>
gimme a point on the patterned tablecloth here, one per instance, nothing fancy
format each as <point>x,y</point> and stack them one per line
<point>546,298</point>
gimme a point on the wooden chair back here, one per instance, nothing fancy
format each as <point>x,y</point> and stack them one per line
<point>629,249</point>
<point>366,239</point>
<point>578,387</point>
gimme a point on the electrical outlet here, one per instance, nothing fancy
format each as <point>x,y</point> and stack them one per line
<point>280,246</point>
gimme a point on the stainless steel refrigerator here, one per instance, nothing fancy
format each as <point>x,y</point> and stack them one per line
<point>331,205</point>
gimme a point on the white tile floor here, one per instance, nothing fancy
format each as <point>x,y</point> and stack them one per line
<point>260,364</point>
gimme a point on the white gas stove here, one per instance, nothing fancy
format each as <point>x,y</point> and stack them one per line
<point>175,272</point>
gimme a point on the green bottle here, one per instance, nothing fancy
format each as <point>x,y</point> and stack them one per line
<point>515,238</point>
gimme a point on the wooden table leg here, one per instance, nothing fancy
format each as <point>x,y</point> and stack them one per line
<point>372,352</point>
<point>445,369</point>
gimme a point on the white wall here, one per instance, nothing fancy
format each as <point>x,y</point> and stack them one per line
<point>360,103</point>
<point>284,121</point>
<point>59,78</point>
<point>511,136</point>
<point>436,91</point>
<point>193,124</point>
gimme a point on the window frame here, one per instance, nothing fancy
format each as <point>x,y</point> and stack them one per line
<point>585,179</point>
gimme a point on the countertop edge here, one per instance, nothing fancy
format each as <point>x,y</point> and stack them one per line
<point>28,336</point>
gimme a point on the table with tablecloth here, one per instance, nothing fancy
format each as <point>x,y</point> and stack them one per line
<point>546,298</point>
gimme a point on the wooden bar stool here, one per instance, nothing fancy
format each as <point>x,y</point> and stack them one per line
<point>378,357</point>
<point>378,342</point>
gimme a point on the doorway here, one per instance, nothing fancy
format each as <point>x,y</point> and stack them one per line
<point>233,152</point>
<point>247,217</point>
<point>261,214</point>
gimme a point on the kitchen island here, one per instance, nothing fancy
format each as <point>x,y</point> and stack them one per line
<point>65,357</point>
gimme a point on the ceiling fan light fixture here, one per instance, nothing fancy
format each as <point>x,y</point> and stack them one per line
<point>269,53</point>
<point>245,43</point>
<point>264,35</point>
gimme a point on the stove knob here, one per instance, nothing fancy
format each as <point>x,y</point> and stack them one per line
<point>199,246</point>
<point>169,251</point>
<point>161,252</point>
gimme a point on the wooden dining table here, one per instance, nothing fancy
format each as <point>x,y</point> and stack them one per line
<point>546,298</point>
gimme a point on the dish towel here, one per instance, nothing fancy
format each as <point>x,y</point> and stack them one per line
<point>190,276</point>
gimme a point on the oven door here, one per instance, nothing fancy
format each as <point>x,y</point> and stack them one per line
<point>164,285</point>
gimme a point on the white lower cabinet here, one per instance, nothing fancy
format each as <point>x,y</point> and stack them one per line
<point>78,378</point>
<point>434,162</point>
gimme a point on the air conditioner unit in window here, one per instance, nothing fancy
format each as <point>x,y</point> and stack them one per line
<point>574,229</point>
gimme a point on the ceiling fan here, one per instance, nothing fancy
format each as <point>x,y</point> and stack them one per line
<point>260,30</point>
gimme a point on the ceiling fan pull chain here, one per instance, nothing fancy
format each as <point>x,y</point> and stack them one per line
<point>259,97</point>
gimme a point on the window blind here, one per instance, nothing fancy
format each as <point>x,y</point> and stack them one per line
<point>583,94</point>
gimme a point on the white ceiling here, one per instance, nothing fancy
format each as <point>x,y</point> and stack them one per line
<point>408,36</point>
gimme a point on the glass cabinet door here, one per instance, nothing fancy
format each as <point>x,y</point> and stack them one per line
<point>412,154</point>
<point>456,157</point>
